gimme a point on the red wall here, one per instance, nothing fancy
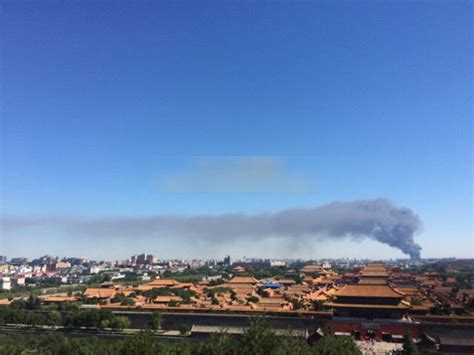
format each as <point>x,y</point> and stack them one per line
<point>378,328</point>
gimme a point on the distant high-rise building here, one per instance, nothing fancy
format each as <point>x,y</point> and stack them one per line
<point>3,259</point>
<point>141,259</point>
<point>59,264</point>
<point>144,259</point>
<point>18,261</point>
<point>151,259</point>
<point>77,261</point>
<point>227,260</point>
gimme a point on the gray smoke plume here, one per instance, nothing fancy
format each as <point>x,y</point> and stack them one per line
<point>375,219</point>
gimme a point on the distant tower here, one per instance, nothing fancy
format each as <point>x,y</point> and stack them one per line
<point>227,260</point>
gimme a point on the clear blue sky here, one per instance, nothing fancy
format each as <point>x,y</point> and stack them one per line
<point>103,101</point>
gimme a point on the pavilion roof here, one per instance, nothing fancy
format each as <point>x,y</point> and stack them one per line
<point>372,281</point>
<point>374,273</point>
<point>369,291</point>
<point>59,298</point>
<point>367,306</point>
<point>100,293</point>
<point>243,280</point>
<point>272,301</point>
<point>162,283</point>
<point>167,299</point>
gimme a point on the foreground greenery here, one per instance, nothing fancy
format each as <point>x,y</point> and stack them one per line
<point>29,312</point>
<point>258,339</point>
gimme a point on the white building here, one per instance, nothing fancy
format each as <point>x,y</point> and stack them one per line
<point>95,269</point>
<point>326,265</point>
<point>20,281</point>
<point>5,283</point>
<point>277,263</point>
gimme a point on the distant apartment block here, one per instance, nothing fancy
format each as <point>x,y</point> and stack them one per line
<point>95,269</point>
<point>58,265</point>
<point>144,259</point>
<point>18,261</point>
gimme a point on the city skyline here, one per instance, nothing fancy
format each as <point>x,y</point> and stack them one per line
<point>144,111</point>
<point>219,259</point>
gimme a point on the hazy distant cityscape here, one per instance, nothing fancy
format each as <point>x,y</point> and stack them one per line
<point>383,305</point>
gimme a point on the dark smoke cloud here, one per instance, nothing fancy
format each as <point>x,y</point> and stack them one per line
<point>376,219</point>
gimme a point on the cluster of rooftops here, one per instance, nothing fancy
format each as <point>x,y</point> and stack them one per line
<point>369,292</point>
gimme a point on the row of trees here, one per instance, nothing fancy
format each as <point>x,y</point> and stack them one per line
<point>258,339</point>
<point>102,319</point>
<point>74,319</point>
<point>30,318</point>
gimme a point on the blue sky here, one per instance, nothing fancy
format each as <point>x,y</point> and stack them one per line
<point>104,101</point>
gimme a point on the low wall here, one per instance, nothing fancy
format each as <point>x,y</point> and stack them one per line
<point>174,320</point>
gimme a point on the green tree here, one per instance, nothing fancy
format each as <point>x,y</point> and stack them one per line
<point>119,323</point>
<point>34,319</point>
<point>104,324</point>
<point>297,304</point>
<point>18,304</point>
<point>155,322</point>
<point>258,338</point>
<point>33,302</point>
<point>416,301</point>
<point>219,344</point>
<point>409,347</point>
<point>262,292</point>
<point>441,309</point>
<point>253,299</point>
<point>142,344</point>
<point>318,305</point>
<point>336,345</point>
<point>184,329</point>
<point>181,348</point>
<point>54,318</point>
<point>128,301</point>
<point>3,314</point>
<point>123,300</point>
<point>289,344</point>
<point>87,319</point>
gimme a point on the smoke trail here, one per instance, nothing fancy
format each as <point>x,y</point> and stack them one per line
<point>376,219</point>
